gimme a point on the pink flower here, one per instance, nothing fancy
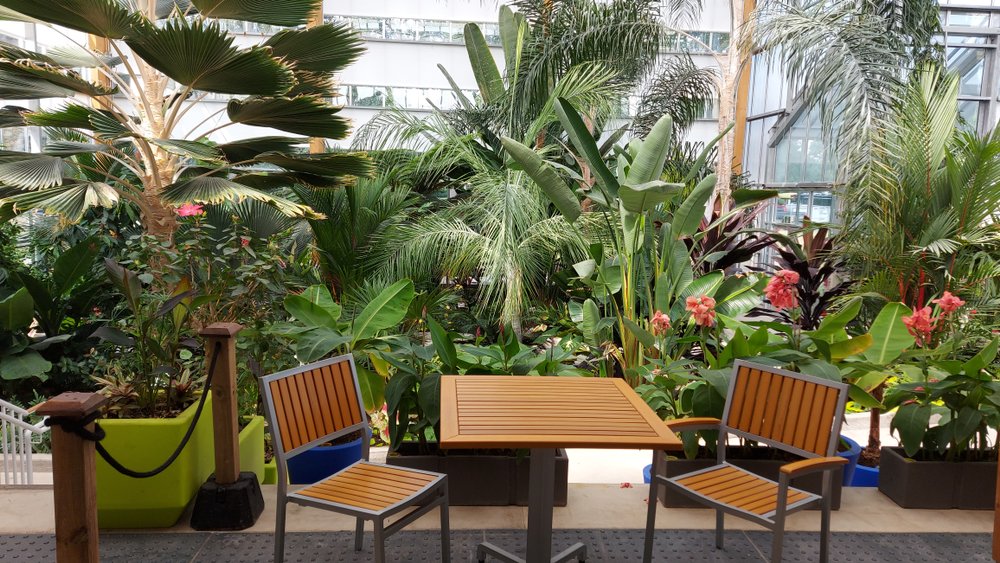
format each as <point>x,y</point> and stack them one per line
<point>919,388</point>
<point>702,308</point>
<point>660,323</point>
<point>948,302</point>
<point>781,291</point>
<point>190,210</point>
<point>920,325</point>
<point>244,241</point>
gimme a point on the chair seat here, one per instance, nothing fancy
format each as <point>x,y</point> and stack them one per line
<point>371,487</point>
<point>733,487</point>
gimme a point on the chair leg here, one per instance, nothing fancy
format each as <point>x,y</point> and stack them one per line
<point>824,538</point>
<point>720,528</point>
<point>379,541</point>
<point>445,531</point>
<point>647,550</point>
<point>359,535</point>
<point>279,531</point>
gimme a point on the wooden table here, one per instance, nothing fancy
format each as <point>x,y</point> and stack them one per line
<point>542,414</point>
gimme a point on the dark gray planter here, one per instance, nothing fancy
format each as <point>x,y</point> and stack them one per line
<point>768,468</point>
<point>968,485</point>
<point>476,479</point>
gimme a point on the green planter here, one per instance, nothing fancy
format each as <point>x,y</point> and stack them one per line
<point>142,444</point>
<point>252,447</point>
<point>270,472</point>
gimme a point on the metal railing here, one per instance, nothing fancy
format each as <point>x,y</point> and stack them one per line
<point>17,438</point>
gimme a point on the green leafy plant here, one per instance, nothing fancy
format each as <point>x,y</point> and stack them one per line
<point>19,357</point>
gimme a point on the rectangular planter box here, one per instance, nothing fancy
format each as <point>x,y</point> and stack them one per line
<point>484,479</point>
<point>968,485</point>
<point>252,447</point>
<point>142,444</point>
<point>768,468</point>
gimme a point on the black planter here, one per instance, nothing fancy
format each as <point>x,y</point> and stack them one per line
<point>758,462</point>
<point>483,479</point>
<point>969,485</point>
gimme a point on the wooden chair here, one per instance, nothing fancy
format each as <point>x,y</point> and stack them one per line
<point>790,411</point>
<point>313,404</point>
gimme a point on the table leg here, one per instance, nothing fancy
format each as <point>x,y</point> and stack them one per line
<point>542,497</point>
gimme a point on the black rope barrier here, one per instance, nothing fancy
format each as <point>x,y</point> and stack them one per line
<point>79,427</point>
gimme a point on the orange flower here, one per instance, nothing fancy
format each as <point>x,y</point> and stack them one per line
<point>920,325</point>
<point>660,323</point>
<point>948,302</point>
<point>702,308</point>
<point>781,291</point>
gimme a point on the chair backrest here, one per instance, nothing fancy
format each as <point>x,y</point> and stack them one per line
<point>312,404</point>
<point>783,409</point>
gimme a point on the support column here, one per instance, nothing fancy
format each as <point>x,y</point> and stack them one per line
<point>74,477</point>
<point>317,145</point>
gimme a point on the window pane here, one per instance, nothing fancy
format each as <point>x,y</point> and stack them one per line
<point>968,63</point>
<point>968,110</point>
<point>969,19</point>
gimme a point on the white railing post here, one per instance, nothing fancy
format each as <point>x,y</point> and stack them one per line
<point>16,444</point>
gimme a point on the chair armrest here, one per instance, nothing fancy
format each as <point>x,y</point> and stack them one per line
<point>695,423</point>
<point>812,465</point>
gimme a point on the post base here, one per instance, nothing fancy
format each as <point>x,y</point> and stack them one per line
<point>228,507</point>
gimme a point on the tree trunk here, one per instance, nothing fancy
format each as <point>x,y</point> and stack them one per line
<point>728,101</point>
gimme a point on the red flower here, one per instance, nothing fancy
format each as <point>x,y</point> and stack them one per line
<point>244,241</point>
<point>948,302</point>
<point>702,308</point>
<point>920,325</point>
<point>781,291</point>
<point>919,388</point>
<point>190,210</point>
<point>660,323</point>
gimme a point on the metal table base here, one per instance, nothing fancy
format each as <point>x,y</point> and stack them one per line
<point>541,498</point>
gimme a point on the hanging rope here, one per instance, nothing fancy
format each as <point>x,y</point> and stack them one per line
<point>79,427</point>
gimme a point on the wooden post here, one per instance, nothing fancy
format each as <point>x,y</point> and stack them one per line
<point>224,411</point>
<point>74,478</point>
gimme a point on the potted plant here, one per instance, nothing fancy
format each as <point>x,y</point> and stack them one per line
<point>947,463</point>
<point>413,407</point>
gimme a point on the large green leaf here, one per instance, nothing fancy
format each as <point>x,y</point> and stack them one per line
<point>325,164</point>
<point>483,66</point>
<point>641,334</point>
<point>73,264</point>
<point>691,211</point>
<point>324,48</point>
<point>546,178</point>
<point>311,310</point>
<point>33,172</point>
<point>16,310</point>
<point>247,149</point>
<point>318,343</point>
<point>104,18</point>
<point>831,328</point>
<point>203,57</point>
<point>889,334</point>
<point>213,190</point>
<point>851,346</point>
<point>640,198</point>
<point>12,116</point>
<point>589,323</point>
<point>372,388</point>
<point>190,149</point>
<point>56,76</point>
<point>301,115</point>
<point>584,142</point>
<point>385,311</point>
<point>69,200</point>
<point>429,397</point>
<point>283,12</point>
<point>648,164</point>
<point>911,421</point>
<point>28,363</point>
<point>443,345</point>
<point>76,116</point>
<point>17,86</point>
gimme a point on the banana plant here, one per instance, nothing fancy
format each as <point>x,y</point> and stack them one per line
<point>649,267</point>
<point>164,77</point>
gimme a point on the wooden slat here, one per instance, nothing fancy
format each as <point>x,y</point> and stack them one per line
<point>781,417</point>
<point>778,383</point>
<point>343,403</point>
<point>804,420</point>
<point>325,414</point>
<point>350,394</point>
<point>738,397</point>
<point>824,423</point>
<point>306,427</point>
<point>792,415</point>
<point>763,386</point>
<point>701,477</point>
<point>369,486</point>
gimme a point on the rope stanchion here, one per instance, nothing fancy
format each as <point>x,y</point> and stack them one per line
<point>79,427</point>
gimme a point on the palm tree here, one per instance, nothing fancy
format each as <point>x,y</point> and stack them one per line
<point>927,220</point>
<point>154,67</point>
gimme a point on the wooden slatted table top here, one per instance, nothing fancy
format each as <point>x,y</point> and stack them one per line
<point>504,411</point>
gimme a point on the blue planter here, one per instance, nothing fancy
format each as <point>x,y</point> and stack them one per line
<point>646,474</point>
<point>865,477</point>
<point>322,461</point>
<point>851,456</point>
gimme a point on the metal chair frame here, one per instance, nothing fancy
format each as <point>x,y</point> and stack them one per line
<point>777,522</point>
<point>433,495</point>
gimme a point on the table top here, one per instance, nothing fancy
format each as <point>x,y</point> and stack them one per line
<point>505,411</point>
